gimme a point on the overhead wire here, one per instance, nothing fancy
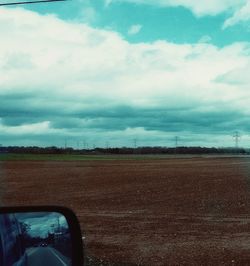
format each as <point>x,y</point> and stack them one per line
<point>29,2</point>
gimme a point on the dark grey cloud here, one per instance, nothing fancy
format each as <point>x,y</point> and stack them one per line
<point>79,123</point>
<point>18,111</point>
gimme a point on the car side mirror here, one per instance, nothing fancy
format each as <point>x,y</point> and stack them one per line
<point>34,236</point>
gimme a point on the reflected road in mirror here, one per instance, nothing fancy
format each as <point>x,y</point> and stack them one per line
<point>46,256</point>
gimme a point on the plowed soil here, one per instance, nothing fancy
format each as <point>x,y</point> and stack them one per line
<point>191,211</point>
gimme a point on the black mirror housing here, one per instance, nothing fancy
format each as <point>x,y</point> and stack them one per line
<point>55,213</point>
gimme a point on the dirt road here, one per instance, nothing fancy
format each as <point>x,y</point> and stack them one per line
<point>147,212</point>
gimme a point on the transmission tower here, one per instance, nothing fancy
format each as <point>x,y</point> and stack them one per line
<point>236,137</point>
<point>84,144</point>
<point>107,144</point>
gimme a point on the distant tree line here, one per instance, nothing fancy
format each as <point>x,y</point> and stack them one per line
<point>123,150</point>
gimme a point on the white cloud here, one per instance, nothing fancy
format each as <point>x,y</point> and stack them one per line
<point>70,70</point>
<point>237,11</point>
<point>89,14</point>
<point>205,39</point>
<point>77,58</point>
<point>199,8</point>
<point>134,29</point>
<point>35,128</point>
<point>107,2</point>
<point>240,15</point>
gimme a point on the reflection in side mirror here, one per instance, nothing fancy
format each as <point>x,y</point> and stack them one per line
<point>34,238</point>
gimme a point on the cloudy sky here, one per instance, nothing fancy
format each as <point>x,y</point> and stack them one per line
<point>42,223</point>
<point>108,72</point>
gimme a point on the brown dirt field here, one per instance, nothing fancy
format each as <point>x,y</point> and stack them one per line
<point>147,212</point>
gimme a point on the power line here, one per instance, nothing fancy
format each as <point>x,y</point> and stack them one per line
<point>30,2</point>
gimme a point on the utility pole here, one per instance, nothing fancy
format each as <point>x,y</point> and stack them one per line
<point>236,137</point>
<point>65,144</point>
<point>107,145</point>
<point>176,139</point>
<point>135,143</point>
<point>58,224</point>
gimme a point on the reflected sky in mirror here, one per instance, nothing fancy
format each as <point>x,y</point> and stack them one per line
<point>42,223</point>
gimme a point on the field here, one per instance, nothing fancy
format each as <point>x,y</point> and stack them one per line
<point>144,210</point>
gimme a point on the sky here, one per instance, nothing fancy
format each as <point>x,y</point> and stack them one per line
<point>40,224</point>
<point>97,73</point>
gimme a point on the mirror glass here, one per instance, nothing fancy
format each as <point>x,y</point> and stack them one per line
<point>34,239</point>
